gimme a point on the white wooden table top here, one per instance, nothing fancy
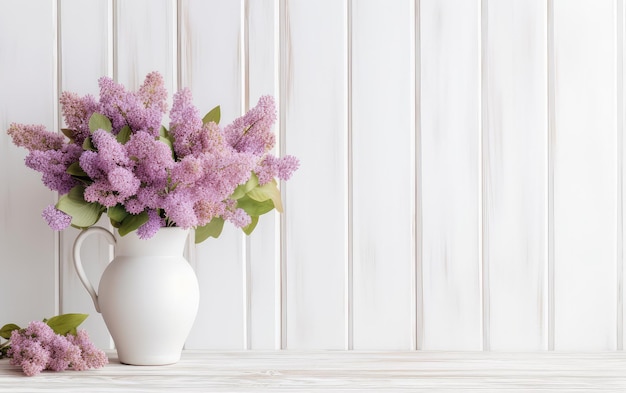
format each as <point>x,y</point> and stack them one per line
<point>341,371</point>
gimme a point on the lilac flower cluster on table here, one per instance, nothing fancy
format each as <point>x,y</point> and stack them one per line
<point>37,347</point>
<point>187,185</point>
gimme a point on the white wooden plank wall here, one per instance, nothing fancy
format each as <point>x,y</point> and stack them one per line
<point>461,180</point>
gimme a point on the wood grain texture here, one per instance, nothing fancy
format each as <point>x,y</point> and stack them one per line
<point>585,163</point>
<point>515,174</point>
<point>341,372</point>
<point>145,41</point>
<point>381,144</point>
<point>28,265</point>
<point>450,120</point>
<point>85,57</point>
<point>263,250</point>
<point>313,106</point>
<point>211,66</point>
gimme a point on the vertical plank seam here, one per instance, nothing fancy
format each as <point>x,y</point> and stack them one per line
<point>620,160</point>
<point>277,217</point>
<point>482,156</point>
<point>284,44</point>
<point>417,285</point>
<point>114,39</point>
<point>191,249</point>
<point>349,273</point>
<point>58,269</point>
<point>245,104</point>
<point>550,186</point>
<point>179,50</point>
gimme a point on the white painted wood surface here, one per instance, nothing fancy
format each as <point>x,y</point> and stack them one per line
<point>211,66</point>
<point>313,106</point>
<point>461,185</point>
<point>584,150</point>
<point>382,229</point>
<point>450,174</point>
<point>85,55</point>
<point>29,272</point>
<point>515,168</point>
<point>355,371</point>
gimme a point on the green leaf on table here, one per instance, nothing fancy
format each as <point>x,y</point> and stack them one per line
<point>212,229</point>
<point>84,214</point>
<point>132,222</point>
<point>254,208</point>
<point>248,229</point>
<point>213,116</point>
<point>124,135</point>
<point>66,323</point>
<point>5,331</point>
<point>98,121</point>
<point>267,191</point>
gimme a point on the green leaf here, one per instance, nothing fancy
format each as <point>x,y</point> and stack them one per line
<point>66,323</point>
<point>255,208</point>
<point>213,116</point>
<point>5,331</point>
<point>68,133</point>
<point>132,222</point>
<point>117,213</point>
<point>98,121</point>
<point>87,145</point>
<point>242,189</point>
<point>267,191</point>
<point>75,170</point>
<point>124,135</point>
<point>248,229</point>
<point>212,229</point>
<point>163,132</point>
<point>84,214</point>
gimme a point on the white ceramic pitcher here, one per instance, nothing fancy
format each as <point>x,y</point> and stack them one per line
<point>148,295</point>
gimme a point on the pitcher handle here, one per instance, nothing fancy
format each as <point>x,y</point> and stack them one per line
<point>78,264</point>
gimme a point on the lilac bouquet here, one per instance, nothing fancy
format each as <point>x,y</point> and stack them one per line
<point>119,160</point>
<point>53,344</point>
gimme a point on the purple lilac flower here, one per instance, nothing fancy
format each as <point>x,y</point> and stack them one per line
<point>63,354</point>
<point>252,132</point>
<point>37,348</point>
<point>115,102</point>
<point>34,137</point>
<point>90,163</point>
<point>185,122</point>
<point>237,217</point>
<point>153,158</point>
<point>53,165</point>
<point>151,197</point>
<point>271,167</point>
<point>178,206</point>
<point>153,93</point>
<point>123,181</point>
<point>205,211</point>
<point>103,193</point>
<point>111,153</point>
<point>55,218</point>
<point>92,357</point>
<point>152,226</point>
<point>77,111</point>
